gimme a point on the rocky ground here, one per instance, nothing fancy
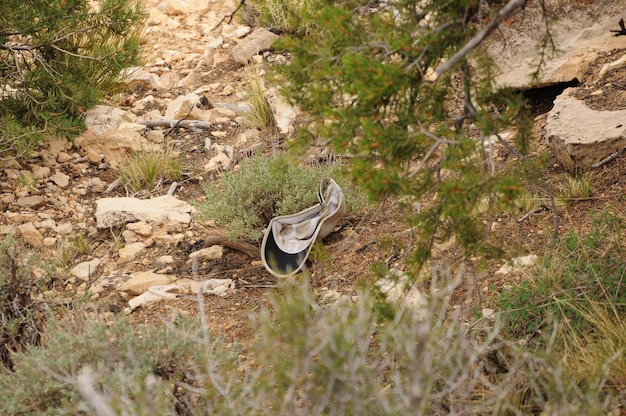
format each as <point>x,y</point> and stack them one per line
<point>64,202</point>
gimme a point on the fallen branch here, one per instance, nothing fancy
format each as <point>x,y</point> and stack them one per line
<point>510,8</point>
<point>533,212</point>
<point>187,124</point>
<point>608,158</point>
<point>246,248</point>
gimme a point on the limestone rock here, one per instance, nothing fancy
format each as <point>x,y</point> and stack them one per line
<point>85,269</point>
<point>60,179</point>
<point>138,77</point>
<point>111,212</point>
<point>284,113</point>
<point>40,172</point>
<point>34,201</point>
<point>394,286</point>
<point>185,107</point>
<point>580,136</point>
<point>130,251</point>
<point>140,227</point>
<point>222,160</point>
<point>579,38</point>
<point>259,41</point>
<point>619,63</point>
<point>30,234</point>
<point>209,253</point>
<point>103,117</point>
<point>114,145</point>
<point>141,282</point>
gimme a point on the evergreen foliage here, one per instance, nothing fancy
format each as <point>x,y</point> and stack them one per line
<point>366,79</point>
<point>58,58</point>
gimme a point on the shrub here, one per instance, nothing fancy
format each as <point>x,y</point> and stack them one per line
<point>20,314</point>
<point>587,270</point>
<point>57,59</point>
<point>310,357</point>
<point>265,187</point>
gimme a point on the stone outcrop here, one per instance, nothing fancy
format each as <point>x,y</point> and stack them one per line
<point>579,136</point>
<point>579,38</point>
<point>112,212</point>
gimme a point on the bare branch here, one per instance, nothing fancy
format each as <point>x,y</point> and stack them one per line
<point>186,124</point>
<point>511,7</point>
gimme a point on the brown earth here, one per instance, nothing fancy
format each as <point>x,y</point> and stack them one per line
<point>358,241</point>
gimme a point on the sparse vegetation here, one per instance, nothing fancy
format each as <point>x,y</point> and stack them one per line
<point>244,202</point>
<point>261,113</point>
<point>555,344</point>
<point>144,169</point>
<point>587,271</point>
<point>311,356</point>
<point>576,188</point>
<point>21,315</point>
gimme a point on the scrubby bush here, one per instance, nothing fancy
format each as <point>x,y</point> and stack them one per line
<point>311,356</point>
<point>588,268</point>
<point>21,316</point>
<point>245,201</point>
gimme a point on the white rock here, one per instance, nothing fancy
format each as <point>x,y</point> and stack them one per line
<point>395,289</point>
<point>517,263</point>
<point>96,185</point>
<point>209,253</point>
<point>102,118</point>
<point>111,212</point>
<point>60,179</point>
<point>141,282</point>
<point>85,269</point>
<point>242,31</point>
<point>130,236</point>
<point>130,251</point>
<point>114,145</point>
<point>219,162</point>
<point>185,107</point>
<point>580,136</point>
<point>284,113</point>
<point>489,313</point>
<point>140,227</point>
<point>580,38</point>
<point>40,172</point>
<point>165,260</point>
<point>139,77</point>
<point>63,228</point>
<point>621,62</point>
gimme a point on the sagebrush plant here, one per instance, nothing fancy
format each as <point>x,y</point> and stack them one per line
<point>245,201</point>
<point>312,355</point>
<point>142,170</point>
<point>587,269</point>
<point>59,58</point>
<point>20,314</point>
